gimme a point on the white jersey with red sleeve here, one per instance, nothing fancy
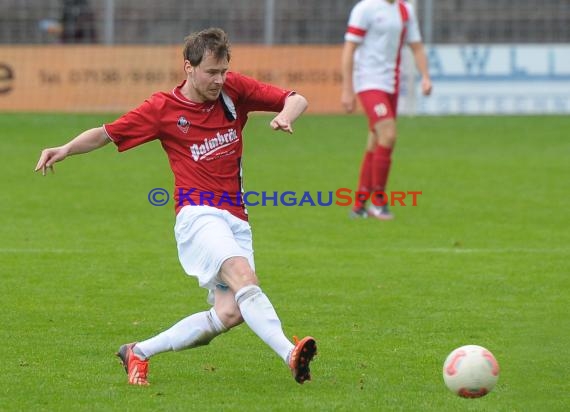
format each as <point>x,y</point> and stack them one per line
<point>203,141</point>
<point>381,29</point>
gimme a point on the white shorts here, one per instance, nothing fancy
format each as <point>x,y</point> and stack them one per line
<point>206,237</point>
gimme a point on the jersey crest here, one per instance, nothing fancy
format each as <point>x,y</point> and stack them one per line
<point>183,124</point>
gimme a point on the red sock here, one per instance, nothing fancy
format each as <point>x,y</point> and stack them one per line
<point>365,181</point>
<point>381,163</point>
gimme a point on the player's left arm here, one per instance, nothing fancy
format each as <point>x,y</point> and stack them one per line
<point>294,106</point>
<point>422,64</point>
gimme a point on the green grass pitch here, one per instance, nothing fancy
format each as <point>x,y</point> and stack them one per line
<point>484,258</point>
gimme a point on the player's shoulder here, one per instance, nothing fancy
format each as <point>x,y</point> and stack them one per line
<point>367,6</point>
<point>370,3</point>
<point>237,83</point>
<point>159,96</point>
<point>409,6</point>
<point>364,4</point>
<point>238,78</point>
<point>162,99</point>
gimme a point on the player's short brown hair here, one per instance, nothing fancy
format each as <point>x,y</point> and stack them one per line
<point>214,40</point>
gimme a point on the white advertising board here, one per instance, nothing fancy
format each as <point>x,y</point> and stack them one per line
<point>495,79</point>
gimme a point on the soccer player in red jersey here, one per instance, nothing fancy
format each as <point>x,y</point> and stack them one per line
<point>200,124</point>
<point>377,31</point>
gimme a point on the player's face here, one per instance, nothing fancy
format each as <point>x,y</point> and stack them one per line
<point>207,78</point>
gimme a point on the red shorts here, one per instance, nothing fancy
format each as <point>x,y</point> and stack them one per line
<point>378,105</point>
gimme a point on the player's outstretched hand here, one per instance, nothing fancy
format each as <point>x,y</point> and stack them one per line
<point>294,106</point>
<point>281,123</point>
<point>49,157</point>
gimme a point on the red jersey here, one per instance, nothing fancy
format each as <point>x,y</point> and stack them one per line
<point>203,141</point>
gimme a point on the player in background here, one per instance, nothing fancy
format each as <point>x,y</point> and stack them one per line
<point>199,124</point>
<point>77,24</point>
<point>371,57</point>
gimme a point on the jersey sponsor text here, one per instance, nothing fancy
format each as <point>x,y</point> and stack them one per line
<point>213,144</point>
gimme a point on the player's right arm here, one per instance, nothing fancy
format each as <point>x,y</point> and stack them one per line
<point>347,98</point>
<point>85,142</point>
<point>359,22</point>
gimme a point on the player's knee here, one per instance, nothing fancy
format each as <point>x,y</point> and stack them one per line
<point>386,133</point>
<point>229,316</point>
<point>237,273</point>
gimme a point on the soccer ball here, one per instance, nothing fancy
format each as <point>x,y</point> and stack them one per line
<point>470,371</point>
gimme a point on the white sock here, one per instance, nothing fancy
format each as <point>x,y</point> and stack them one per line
<point>195,330</point>
<point>259,314</point>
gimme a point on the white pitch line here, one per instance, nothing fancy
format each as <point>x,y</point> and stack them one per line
<point>36,250</point>
<point>411,250</point>
<point>478,250</point>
